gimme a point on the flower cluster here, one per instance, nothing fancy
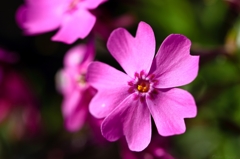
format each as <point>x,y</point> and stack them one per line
<point>122,103</point>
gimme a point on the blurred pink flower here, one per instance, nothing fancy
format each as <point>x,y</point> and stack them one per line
<point>71,16</point>
<point>71,83</point>
<point>5,58</point>
<point>157,149</point>
<point>17,103</point>
<point>106,22</point>
<point>128,100</point>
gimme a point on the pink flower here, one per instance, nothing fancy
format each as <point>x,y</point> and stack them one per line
<point>71,83</point>
<point>128,100</point>
<point>71,16</point>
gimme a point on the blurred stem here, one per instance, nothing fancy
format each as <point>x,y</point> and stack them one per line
<point>4,146</point>
<point>207,55</point>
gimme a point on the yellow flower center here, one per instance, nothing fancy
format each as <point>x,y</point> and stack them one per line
<point>143,86</point>
<point>81,80</point>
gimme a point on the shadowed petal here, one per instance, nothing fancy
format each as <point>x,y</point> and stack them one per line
<point>75,25</point>
<point>133,54</point>
<point>1,74</point>
<point>173,64</point>
<point>112,86</point>
<point>5,108</point>
<point>169,108</point>
<point>75,108</point>
<point>80,55</point>
<point>77,119</point>
<point>132,119</point>
<point>71,102</point>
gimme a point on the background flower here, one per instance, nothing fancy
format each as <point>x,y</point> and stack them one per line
<point>72,16</point>
<point>71,83</point>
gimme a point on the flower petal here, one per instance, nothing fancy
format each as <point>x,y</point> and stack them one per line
<point>71,102</point>
<point>76,24</point>
<point>103,76</point>
<point>76,120</point>
<point>168,109</point>
<point>112,86</point>
<point>91,4</point>
<point>80,55</point>
<point>75,108</point>
<point>133,54</point>
<point>106,100</point>
<point>65,83</point>
<point>40,17</point>
<point>173,64</point>
<point>132,119</point>
<point>75,56</point>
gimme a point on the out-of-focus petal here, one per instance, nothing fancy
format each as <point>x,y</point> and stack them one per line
<point>76,24</point>
<point>75,56</point>
<point>112,86</point>
<point>1,75</point>
<point>5,108</point>
<point>75,109</point>
<point>7,57</point>
<point>91,4</point>
<point>173,64</point>
<point>64,81</point>
<point>133,54</point>
<point>169,108</point>
<point>71,102</point>
<point>132,119</point>
<point>80,55</point>
<point>75,121</point>
<point>40,17</point>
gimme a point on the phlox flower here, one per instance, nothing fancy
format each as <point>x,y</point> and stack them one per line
<point>127,101</point>
<point>71,83</point>
<point>72,17</point>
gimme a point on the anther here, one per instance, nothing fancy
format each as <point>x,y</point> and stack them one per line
<point>143,86</point>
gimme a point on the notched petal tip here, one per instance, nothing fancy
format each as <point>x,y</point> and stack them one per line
<point>134,54</point>
<point>174,64</point>
<point>176,104</point>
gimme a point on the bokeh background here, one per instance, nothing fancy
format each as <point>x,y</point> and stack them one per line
<point>213,26</point>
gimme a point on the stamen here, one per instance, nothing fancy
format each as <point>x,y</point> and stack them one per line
<point>81,80</point>
<point>143,86</point>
